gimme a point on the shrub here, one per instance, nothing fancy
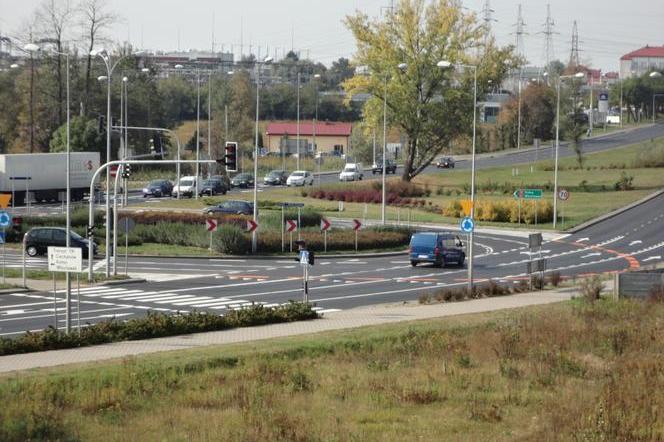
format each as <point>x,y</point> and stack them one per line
<point>624,182</point>
<point>152,217</point>
<point>231,240</point>
<point>591,288</point>
<point>555,279</point>
<point>656,293</point>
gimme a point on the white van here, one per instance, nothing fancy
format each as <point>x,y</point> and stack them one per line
<point>352,172</point>
<point>186,187</point>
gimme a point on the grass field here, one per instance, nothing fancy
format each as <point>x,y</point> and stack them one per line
<point>572,371</point>
<point>592,188</point>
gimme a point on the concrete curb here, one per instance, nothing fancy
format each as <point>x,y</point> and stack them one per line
<point>270,257</point>
<point>123,281</point>
<point>616,212</point>
<point>16,290</point>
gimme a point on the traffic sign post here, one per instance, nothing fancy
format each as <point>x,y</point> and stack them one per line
<point>357,225</point>
<point>2,241</point>
<point>283,222</point>
<point>211,226</point>
<point>324,226</point>
<point>291,226</point>
<point>63,259</point>
<point>467,224</point>
<point>129,225</point>
<point>563,195</point>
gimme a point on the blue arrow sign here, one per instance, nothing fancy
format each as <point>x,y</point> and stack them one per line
<point>2,236</point>
<point>5,219</point>
<point>467,224</point>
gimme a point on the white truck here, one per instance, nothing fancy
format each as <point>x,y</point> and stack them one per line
<point>352,172</point>
<point>43,175</point>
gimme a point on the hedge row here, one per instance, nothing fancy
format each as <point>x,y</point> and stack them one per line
<point>505,211</point>
<point>155,217</point>
<point>155,325</point>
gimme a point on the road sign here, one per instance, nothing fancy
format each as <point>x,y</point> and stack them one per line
<point>529,194</point>
<point>324,224</point>
<point>65,259</point>
<point>467,206</point>
<point>211,224</point>
<point>563,194</point>
<point>291,225</point>
<point>304,257</point>
<point>127,223</point>
<point>113,170</point>
<point>534,240</point>
<point>5,219</point>
<point>538,265</point>
<point>357,225</point>
<point>4,200</point>
<point>467,224</point>
<point>291,204</point>
<point>518,194</point>
<point>251,226</point>
<point>2,236</point>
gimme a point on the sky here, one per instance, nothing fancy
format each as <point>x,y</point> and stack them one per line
<point>608,29</point>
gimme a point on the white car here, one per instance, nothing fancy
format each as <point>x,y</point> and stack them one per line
<point>352,172</point>
<point>300,178</point>
<point>186,187</point>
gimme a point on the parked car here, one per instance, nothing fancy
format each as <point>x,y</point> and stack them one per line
<point>158,188</point>
<point>211,187</point>
<point>243,180</point>
<point>186,187</point>
<point>276,177</point>
<point>352,172</point>
<point>236,207</point>
<point>300,178</point>
<point>224,180</point>
<point>39,239</point>
<point>390,167</point>
<point>437,248</point>
<point>445,163</point>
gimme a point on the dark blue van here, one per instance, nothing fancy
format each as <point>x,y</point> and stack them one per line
<point>438,248</point>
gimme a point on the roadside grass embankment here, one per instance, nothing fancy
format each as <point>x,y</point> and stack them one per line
<point>576,370</point>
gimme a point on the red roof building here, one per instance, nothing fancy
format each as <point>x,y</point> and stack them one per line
<point>642,61</point>
<point>330,137</point>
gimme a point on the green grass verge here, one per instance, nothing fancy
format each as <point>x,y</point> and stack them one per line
<point>562,372</point>
<point>59,276</point>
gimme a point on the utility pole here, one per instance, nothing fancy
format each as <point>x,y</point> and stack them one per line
<point>487,18</point>
<point>574,53</point>
<point>520,31</point>
<point>548,37</point>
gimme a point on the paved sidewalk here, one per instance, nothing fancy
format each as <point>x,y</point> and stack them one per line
<point>346,319</point>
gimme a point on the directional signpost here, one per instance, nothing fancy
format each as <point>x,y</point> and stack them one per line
<point>5,221</point>
<point>211,226</point>
<point>64,259</point>
<point>251,225</point>
<point>324,226</point>
<point>528,194</point>
<point>291,226</point>
<point>283,222</point>
<point>357,225</point>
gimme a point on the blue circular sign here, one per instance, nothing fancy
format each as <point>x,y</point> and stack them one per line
<point>467,224</point>
<point>5,219</point>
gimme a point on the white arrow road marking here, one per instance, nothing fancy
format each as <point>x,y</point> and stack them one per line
<point>633,243</point>
<point>652,258</point>
<point>535,253</point>
<point>591,254</point>
<point>582,239</point>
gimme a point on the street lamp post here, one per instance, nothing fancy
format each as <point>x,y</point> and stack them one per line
<point>471,238</point>
<point>177,167</point>
<point>555,163</point>
<point>655,74</point>
<point>198,126</point>
<point>318,160</point>
<point>254,236</point>
<point>297,138</point>
<point>110,67</point>
<point>382,199</point>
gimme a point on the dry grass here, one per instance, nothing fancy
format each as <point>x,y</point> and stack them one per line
<point>575,371</point>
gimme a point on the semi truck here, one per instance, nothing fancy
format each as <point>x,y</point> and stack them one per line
<point>42,176</point>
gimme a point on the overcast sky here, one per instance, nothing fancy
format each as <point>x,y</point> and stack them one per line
<point>607,28</point>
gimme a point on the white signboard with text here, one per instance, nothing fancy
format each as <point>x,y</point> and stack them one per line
<point>63,259</point>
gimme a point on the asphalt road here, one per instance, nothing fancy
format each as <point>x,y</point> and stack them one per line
<point>628,240</point>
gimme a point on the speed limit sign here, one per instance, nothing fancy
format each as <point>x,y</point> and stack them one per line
<point>563,194</point>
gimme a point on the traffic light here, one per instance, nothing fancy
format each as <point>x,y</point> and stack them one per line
<point>231,157</point>
<point>126,171</point>
<point>90,231</point>
<point>311,257</point>
<point>102,124</point>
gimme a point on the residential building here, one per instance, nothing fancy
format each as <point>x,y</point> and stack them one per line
<point>642,61</point>
<point>331,137</point>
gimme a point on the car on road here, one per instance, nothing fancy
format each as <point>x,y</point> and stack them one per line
<point>212,187</point>
<point>445,163</point>
<point>236,207</point>
<point>243,180</point>
<point>158,188</point>
<point>438,248</point>
<point>186,187</point>
<point>352,172</point>
<point>39,239</point>
<point>275,177</point>
<point>390,167</point>
<point>300,178</point>
<point>224,179</point>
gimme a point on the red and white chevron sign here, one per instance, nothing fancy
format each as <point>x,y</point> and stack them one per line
<point>251,226</point>
<point>324,224</point>
<point>291,225</point>
<point>357,225</point>
<point>211,225</point>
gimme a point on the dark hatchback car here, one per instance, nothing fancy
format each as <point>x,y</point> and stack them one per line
<point>276,177</point>
<point>445,163</point>
<point>39,239</point>
<point>390,167</point>
<point>158,188</point>
<point>242,180</point>
<point>232,206</point>
<point>224,180</point>
<point>439,249</point>
<point>212,187</point>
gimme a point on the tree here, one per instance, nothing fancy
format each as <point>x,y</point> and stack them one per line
<point>94,20</point>
<point>422,98</point>
<point>83,137</point>
<point>340,71</point>
<point>538,113</point>
<point>576,120</point>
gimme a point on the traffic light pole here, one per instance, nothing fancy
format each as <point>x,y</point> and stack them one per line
<point>95,176</point>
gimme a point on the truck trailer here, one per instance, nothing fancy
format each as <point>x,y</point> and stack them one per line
<point>43,175</point>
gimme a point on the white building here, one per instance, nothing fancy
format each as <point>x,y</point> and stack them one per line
<point>642,61</point>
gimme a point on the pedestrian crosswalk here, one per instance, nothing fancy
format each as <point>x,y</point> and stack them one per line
<point>179,301</point>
